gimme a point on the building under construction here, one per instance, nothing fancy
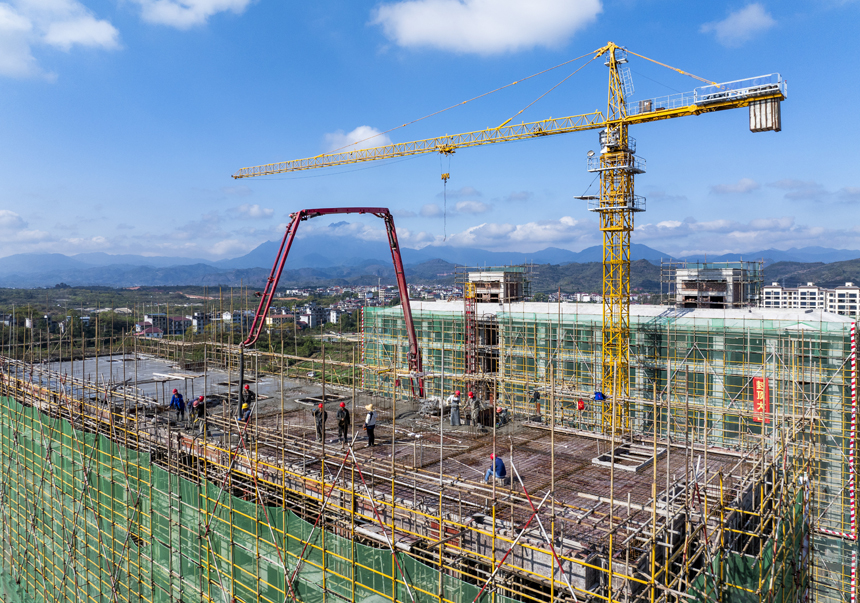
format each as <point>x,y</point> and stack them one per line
<point>730,479</point>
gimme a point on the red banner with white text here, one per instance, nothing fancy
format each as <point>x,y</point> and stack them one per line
<point>761,400</point>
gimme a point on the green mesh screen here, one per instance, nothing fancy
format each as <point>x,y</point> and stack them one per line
<point>86,519</point>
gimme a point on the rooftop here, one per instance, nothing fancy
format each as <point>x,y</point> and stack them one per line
<point>639,313</point>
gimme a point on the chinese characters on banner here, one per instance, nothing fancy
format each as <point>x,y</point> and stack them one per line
<point>761,400</point>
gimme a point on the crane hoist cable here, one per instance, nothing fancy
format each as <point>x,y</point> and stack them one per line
<point>445,177</point>
<point>461,103</point>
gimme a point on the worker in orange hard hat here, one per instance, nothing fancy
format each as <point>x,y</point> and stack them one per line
<point>320,415</point>
<point>343,423</point>
<point>453,401</point>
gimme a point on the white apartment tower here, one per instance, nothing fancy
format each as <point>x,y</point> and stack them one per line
<point>844,300</point>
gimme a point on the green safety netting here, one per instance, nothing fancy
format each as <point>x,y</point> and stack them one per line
<point>87,518</point>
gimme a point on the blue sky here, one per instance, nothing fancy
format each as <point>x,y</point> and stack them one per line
<point>123,120</point>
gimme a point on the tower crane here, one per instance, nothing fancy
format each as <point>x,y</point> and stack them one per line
<point>616,165</point>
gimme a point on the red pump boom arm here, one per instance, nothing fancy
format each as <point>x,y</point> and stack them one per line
<point>266,296</point>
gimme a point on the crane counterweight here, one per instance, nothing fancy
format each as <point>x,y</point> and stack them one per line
<point>617,164</point>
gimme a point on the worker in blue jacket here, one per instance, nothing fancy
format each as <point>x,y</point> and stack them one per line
<point>497,469</point>
<point>177,403</point>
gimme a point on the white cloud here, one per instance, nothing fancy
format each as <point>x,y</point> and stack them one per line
<point>529,236</point>
<point>744,185</point>
<point>63,24</point>
<point>520,196</point>
<point>473,207</point>
<point>228,248</point>
<point>464,192</point>
<point>184,14</point>
<point>740,26</point>
<point>729,236</point>
<point>363,137</point>
<point>254,211</point>
<point>431,210</point>
<point>809,190</point>
<point>484,26</point>
<point>10,220</point>
<point>84,31</point>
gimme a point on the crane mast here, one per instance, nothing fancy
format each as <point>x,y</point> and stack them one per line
<point>617,204</point>
<point>616,165</point>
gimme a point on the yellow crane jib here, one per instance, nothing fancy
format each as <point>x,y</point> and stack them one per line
<point>616,164</point>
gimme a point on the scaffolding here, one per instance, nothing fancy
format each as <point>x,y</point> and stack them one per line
<point>714,492</point>
<point>711,284</point>
<point>693,381</point>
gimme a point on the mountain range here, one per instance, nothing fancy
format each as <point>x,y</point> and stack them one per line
<point>325,258</point>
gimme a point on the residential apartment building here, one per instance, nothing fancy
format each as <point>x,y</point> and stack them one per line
<point>844,300</point>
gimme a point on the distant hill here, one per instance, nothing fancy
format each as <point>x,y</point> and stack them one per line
<point>325,251</point>
<point>322,258</point>
<point>792,274</point>
<point>588,277</point>
<point>771,256</point>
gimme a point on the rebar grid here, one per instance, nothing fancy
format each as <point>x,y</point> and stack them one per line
<point>293,481</point>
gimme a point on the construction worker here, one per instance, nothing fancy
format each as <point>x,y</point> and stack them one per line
<point>320,416</point>
<point>178,404</point>
<point>477,407</point>
<point>467,410</point>
<point>246,396</point>
<point>497,468</point>
<point>454,402</point>
<point>370,425</point>
<point>245,408</point>
<point>536,402</point>
<point>502,417</point>
<point>343,423</point>
<point>200,406</point>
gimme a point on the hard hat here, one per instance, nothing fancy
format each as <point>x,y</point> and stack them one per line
<point>320,405</point>
<point>200,398</point>
<point>457,393</point>
<point>342,405</point>
<point>369,407</point>
<point>492,456</point>
<point>471,395</point>
<point>499,409</point>
<point>175,391</point>
<point>247,386</point>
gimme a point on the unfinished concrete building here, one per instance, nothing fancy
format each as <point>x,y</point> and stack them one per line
<point>713,284</point>
<point>772,389</point>
<point>499,285</point>
<point>733,479</point>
